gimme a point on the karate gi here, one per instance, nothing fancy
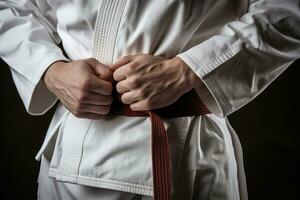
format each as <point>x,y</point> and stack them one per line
<point>237,48</point>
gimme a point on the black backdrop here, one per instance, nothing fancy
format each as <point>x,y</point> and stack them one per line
<point>268,128</point>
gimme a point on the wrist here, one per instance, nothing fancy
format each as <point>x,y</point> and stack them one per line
<point>190,78</point>
<point>52,70</point>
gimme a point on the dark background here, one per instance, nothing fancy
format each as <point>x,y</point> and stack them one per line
<point>268,128</point>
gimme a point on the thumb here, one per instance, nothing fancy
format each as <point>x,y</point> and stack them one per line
<point>101,70</point>
<point>122,61</point>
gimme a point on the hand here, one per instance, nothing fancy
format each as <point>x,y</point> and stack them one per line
<point>83,86</point>
<point>149,82</point>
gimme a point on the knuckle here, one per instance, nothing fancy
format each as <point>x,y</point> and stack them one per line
<point>109,100</point>
<point>93,59</point>
<point>127,58</point>
<point>105,109</point>
<point>123,98</point>
<point>139,93</point>
<point>87,84</point>
<point>134,108</point>
<point>107,73</point>
<point>134,82</point>
<point>77,107</point>
<point>115,75</point>
<point>83,97</point>
<point>142,93</point>
<point>109,88</point>
<point>119,88</point>
<point>131,67</point>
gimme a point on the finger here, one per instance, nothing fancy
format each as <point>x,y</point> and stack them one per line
<point>99,86</point>
<point>122,73</point>
<point>139,106</point>
<point>95,109</point>
<point>143,105</point>
<point>122,61</point>
<point>123,86</point>
<point>96,99</point>
<point>130,97</point>
<point>101,70</point>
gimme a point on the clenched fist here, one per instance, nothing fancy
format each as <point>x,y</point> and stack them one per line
<point>148,82</point>
<point>83,86</point>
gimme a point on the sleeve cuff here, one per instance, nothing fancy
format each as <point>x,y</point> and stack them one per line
<point>207,91</point>
<point>34,93</point>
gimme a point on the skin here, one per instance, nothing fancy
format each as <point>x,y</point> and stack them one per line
<point>83,86</point>
<point>145,82</point>
<point>149,82</point>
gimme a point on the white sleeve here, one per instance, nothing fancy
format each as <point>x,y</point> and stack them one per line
<point>247,54</point>
<point>29,45</point>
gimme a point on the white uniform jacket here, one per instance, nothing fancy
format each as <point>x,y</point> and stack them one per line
<point>237,47</point>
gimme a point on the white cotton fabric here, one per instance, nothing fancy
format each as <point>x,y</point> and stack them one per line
<point>237,48</point>
<point>50,189</point>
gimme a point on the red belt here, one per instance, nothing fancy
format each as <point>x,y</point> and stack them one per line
<point>187,105</point>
